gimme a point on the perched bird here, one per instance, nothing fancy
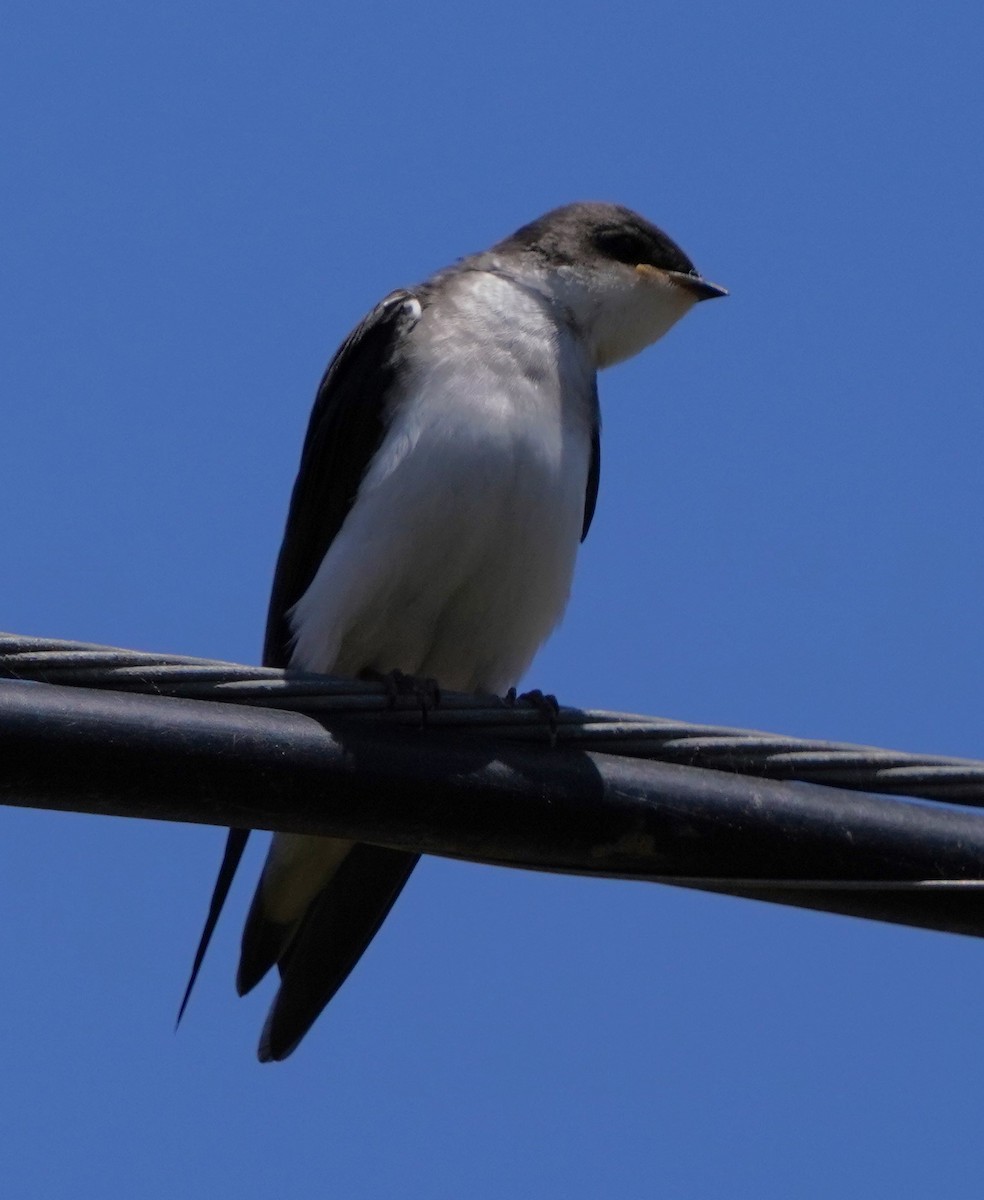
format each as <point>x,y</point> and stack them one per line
<point>449,472</point>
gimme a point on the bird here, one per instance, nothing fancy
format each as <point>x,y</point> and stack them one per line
<point>449,472</point>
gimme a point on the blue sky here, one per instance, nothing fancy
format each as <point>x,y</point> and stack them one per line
<point>198,202</point>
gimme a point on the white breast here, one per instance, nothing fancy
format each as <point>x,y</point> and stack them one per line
<point>455,561</point>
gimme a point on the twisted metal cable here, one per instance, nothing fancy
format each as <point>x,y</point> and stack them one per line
<point>738,751</point>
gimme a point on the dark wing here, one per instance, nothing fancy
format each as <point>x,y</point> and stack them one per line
<point>346,427</point>
<point>345,430</point>
<point>234,847</point>
<point>594,466</point>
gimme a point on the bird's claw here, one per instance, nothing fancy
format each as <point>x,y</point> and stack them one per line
<point>545,704</point>
<point>398,685</point>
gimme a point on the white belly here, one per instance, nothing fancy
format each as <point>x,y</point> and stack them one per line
<point>456,559</point>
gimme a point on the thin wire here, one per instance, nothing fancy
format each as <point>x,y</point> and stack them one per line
<point>738,751</point>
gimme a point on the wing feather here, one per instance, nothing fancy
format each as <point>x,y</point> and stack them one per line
<point>594,466</point>
<point>346,427</point>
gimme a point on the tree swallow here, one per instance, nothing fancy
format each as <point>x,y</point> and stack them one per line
<point>449,472</point>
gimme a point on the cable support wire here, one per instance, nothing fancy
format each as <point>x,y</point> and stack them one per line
<point>738,751</point>
<point>747,813</point>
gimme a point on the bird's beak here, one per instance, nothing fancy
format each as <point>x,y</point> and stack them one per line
<point>699,288</point>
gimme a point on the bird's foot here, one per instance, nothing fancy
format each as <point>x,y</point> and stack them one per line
<point>398,684</point>
<point>545,704</point>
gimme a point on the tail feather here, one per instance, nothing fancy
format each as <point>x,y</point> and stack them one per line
<point>330,939</point>
<point>235,845</point>
<point>264,943</point>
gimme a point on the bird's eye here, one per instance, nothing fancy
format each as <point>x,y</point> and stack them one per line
<point>623,247</point>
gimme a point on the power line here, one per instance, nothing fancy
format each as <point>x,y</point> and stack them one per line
<point>739,751</point>
<point>479,780</point>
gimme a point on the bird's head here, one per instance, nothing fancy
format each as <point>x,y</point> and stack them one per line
<point>624,282</point>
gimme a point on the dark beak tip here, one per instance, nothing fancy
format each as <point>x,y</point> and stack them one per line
<point>699,288</point>
<point>704,290</point>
